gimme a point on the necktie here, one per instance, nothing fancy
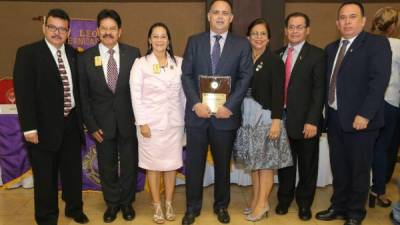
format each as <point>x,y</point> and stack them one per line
<point>66,85</point>
<point>288,70</point>
<point>216,53</point>
<point>332,84</point>
<point>112,71</point>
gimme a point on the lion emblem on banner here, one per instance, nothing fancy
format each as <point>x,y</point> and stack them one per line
<point>10,95</point>
<point>89,165</point>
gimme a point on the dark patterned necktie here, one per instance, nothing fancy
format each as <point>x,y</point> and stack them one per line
<point>112,71</point>
<point>332,84</point>
<point>66,85</point>
<point>216,53</point>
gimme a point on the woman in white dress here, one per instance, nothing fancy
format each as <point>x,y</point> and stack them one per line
<point>158,103</point>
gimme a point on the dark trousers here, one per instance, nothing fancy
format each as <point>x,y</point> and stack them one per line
<point>351,157</point>
<point>47,164</point>
<point>385,150</point>
<point>118,160</point>
<point>305,154</point>
<point>221,143</point>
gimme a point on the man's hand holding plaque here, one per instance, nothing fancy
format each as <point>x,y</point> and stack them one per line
<point>223,113</point>
<point>202,110</point>
<point>214,91</point>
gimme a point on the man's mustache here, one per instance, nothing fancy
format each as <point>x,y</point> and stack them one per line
<point>56,37</point>
<point>108,35</point>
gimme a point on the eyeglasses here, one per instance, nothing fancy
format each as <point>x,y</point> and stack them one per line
<point>258,34</point>
<point>105,29</point>
<point>61,30</point>
<point>299,27</point>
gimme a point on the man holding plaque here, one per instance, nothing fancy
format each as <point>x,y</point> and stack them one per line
<point>216,73</point>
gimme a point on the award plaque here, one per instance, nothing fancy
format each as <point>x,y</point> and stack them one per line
<point>214,90</point>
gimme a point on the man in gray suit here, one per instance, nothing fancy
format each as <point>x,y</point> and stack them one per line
<point>104,72</point>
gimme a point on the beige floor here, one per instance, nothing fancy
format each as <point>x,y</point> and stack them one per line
<point>16,208</point>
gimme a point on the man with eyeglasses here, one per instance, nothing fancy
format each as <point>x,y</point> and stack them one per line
<point>45,82</point>
<point>358,72</point>
<point>216,52</point>
<point>304,99</point>
<point>104,72</point>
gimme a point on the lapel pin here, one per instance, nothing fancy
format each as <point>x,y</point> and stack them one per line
<point>97,61</point>
<point>156,68</point>
<point>259,66</point>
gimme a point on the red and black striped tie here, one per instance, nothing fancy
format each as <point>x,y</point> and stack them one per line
<point>66,86</point>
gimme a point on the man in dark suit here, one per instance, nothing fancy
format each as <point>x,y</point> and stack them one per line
<point>358,71</point>
<point>304,100</point>
<point>217,52</point>
<point>47,94</point>
<point>104,71</point>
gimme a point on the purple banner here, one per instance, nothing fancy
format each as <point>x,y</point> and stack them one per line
<point>14,160</point>
<point>83,34</point>
<point>91,178</point>
<point>13,156</point>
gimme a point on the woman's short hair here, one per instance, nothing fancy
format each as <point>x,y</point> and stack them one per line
<point>383,19</point>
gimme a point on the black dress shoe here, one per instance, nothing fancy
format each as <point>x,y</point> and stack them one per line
<point>281,209</point>
<point>128,213</point>
<point>305,214</point>
<point>188,218</point>
<point>223,215</point>
<point>330,214</point>
<point>352,222</point>
<point>110,214</point>
<point>79,218</point>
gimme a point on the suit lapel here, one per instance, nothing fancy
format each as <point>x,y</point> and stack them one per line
<point>48,59</point>
<point>299,60</point>
<point>353,48</point>
<point>281,51</point>
<point>98,70</point>
<point>226,52</point>
<point>206,44</point>
<point>123,66</point>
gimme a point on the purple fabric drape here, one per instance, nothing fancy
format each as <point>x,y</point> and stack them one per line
<point>13,156</point>
<point>14,160</point>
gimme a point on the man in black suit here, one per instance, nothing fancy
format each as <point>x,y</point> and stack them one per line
<point>104,71</point>
<point>47,94</point>
<point>358,72</point>
<point>304,100</point>
<point>217,52</point>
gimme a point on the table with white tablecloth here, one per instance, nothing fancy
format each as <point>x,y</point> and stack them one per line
<point>238,175</point>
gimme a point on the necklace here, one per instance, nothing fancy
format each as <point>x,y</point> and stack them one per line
<point>164,67</point>
<point>255,57</point>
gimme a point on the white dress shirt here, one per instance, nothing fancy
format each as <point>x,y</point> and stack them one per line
<point>105,56</point>
<point>334,103</point>
<point>392,94</point>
